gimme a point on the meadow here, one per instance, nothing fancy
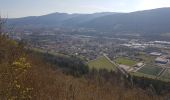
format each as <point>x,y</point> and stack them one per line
<point>101,63</point>
<point>125,61</point>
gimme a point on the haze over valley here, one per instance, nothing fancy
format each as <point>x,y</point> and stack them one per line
<point>86,50</point>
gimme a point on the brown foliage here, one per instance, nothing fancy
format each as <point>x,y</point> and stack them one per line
<point>42,82</point>
<point>53,84</point>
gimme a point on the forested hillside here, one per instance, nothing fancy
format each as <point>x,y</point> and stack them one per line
<point>148,22</point>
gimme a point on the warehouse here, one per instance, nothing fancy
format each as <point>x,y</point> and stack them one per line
<point>155,54</point>
<point>161,60</point>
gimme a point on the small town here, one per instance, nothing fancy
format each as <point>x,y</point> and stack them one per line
<point>135,56</point>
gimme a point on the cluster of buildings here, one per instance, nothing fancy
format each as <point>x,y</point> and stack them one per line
<point>86,46</point>
<point>89,47</point>
<point>137,44</point>
<point>160,58</point>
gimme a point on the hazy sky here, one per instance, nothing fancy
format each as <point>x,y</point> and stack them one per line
<point>20,8</point>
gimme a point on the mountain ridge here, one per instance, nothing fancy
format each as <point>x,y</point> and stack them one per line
<point>154,21</point>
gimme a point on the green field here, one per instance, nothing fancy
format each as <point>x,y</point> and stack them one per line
<point>166,74</point>
<point>101,63</point>
<point>146,58</point>
<point>150,70</point>
<point>125,61</point>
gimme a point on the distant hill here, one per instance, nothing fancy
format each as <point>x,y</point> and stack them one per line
<point>56,19</point>
<point>155,21</point>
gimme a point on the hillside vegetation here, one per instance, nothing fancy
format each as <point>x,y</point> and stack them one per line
<point>26,75</point>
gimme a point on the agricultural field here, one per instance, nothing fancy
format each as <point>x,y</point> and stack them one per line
<point>125,61</point>
<point>166,74</point>
<point>150,70</point>
<point>146,58</point>
<point>101,63</point>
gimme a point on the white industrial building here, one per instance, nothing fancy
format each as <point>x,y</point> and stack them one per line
<point>161,60</point>
<point>155,54</point>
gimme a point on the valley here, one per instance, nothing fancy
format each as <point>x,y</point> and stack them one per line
<point>137,56</point>
<point>84,50</point>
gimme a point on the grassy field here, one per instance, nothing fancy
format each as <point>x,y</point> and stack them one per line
<point>125,61</point>
<point>166,74</point>
<point>146,58</point>
<point>101,63</point>
<point>150,70</point>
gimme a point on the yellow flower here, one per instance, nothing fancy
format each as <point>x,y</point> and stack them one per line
<point>21,64</point>
<point>18,86</point>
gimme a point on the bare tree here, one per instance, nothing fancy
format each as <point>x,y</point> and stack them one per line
<point>0,25</point>
<point>2,22</point>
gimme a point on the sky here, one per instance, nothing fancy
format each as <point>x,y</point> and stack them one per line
<point>22,8</point>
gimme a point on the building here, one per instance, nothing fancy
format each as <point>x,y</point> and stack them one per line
<point>161,60</point>
<point>140,64</point>
<point>155,54</point>
<point>168,57</point>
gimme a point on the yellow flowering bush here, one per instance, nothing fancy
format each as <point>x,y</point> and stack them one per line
<point>21,64</point>
<point>18,90</point>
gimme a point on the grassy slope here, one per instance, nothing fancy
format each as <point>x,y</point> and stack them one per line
<point>101,63</point>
